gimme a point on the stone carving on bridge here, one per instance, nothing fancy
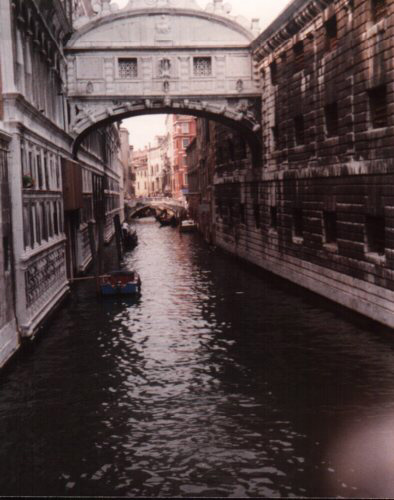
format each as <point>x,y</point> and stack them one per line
<point>164,67</point>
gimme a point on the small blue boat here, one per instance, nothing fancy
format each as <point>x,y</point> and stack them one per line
<point>120,283</point>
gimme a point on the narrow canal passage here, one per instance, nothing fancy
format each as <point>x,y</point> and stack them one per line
<point>217,382</point>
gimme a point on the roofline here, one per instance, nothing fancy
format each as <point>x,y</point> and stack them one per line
<point>101,21</point>
<point>287,14</point>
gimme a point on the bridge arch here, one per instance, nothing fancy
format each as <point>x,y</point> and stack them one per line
<point>163,56</point>
<point>236,119</point>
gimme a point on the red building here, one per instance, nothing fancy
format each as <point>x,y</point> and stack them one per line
<point>182,130</point>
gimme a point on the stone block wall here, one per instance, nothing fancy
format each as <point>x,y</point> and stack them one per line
<point>320,212</point>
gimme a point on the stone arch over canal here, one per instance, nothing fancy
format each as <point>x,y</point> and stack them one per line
<point>163,56</point>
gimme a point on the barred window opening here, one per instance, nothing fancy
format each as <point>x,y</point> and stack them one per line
<point>376,234</point>
<point>298,223</point>
<point>202,66</point>
<point>128,68</point>
<point>331,117</point>
<point>331,33</point>
<point>330,227</point>
<point>298,50</point>
<point>379,9</point>
<point>378,106</point>
<point>299,130</point>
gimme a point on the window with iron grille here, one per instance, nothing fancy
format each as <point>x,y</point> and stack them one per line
<point>331,119</point>
<point>379,9</point>
<point>202,66</point>
<point>299,130</point>
<point>298,223</point>
<point>376,233</point>
<point>298,50</point>
<point>331,33</point>
<point>330,227</point>
<point>128,68</point>
<point>378,106</point>
<point>274,73</point>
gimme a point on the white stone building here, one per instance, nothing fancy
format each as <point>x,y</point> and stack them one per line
<point>53,195</point>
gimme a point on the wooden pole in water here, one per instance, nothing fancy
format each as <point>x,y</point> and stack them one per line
<point>93,250</point>
<point>118,236</point>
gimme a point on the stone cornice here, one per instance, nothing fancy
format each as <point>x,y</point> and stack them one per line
<point>292,20</point>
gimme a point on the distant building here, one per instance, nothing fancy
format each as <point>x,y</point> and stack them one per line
<point>181,130</point>
<point>140,167</point>
<point>152,169</point>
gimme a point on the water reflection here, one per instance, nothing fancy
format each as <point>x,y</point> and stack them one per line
<point>216,382</point>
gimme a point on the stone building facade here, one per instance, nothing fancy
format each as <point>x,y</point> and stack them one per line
<point>53,196</point>
<point>319,212</point>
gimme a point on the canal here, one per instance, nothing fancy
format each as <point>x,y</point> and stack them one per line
<point>218,382</point>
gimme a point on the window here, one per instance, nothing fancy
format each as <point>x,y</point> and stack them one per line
<point>128,68</point>
<point>275,136</point>
<point>185,143</point>
<point>243,149</point>
<point>298,223</point>
<point>378,106</point>
<point>330,227</point>
<point>39,171</point>
<point>299,130</point>
<point>242,213</point>
<point>185,128</point>
<point>256,213</point>
<point>6,253</point>
<point>202,66</point>
<point>274,73</point>
<point>298,50</point>
<point>44,219</point>
<point>230,149</point>
<point>376,234</point>
<point>273,217</point>
<point>378,10</point>
<point>331,118</point>
<point>331,33</point>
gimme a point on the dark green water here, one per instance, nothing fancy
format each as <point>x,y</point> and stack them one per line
<point>216,382</point>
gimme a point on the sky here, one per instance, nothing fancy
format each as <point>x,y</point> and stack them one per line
<point>143,129</point>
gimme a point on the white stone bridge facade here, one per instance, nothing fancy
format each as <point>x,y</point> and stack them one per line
<point>167,56</point>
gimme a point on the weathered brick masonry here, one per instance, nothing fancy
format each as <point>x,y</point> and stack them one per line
<point>321,212</point>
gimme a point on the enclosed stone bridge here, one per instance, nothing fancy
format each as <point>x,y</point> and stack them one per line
<point>163,56</point>
<point>159,205</point>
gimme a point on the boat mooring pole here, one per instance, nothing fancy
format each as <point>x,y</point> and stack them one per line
<point>118,236</point>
